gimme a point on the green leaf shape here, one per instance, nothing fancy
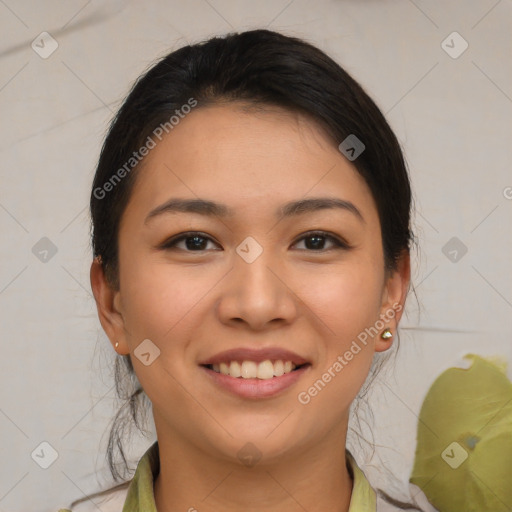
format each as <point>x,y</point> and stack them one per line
<point>463,459</point>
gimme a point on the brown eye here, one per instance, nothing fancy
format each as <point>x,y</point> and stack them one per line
<point>193,242</point>
<point>198,242</point>
<point>316,240</point>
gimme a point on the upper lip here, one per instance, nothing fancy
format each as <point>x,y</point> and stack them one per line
<point>256,355</point>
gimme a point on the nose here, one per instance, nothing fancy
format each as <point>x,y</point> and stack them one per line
<point>257,295</point>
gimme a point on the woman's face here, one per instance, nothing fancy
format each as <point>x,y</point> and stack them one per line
<point>251,280</point>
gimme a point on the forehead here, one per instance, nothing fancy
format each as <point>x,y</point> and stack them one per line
<point>247,158</point>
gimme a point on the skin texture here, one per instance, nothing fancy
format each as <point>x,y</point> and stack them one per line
<point>193,304</point>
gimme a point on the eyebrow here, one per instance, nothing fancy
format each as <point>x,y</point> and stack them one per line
<point>292,208</point>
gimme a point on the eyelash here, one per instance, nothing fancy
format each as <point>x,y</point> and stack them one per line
<point>337,242</point>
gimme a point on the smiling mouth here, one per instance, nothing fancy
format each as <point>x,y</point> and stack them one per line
<point>264,370</point>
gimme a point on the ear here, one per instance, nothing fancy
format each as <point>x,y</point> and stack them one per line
<point>108,303</point>
<point>393,299</point>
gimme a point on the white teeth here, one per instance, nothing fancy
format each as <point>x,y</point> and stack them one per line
<point>249,370</point>
<point>278,368</point>
<point>252,370</point>
<point>234,369</point>
<point>265,370</point>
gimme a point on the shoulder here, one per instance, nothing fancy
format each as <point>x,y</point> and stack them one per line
<point>111,502</point>
<point>417,502</point>
<point>134,492</point>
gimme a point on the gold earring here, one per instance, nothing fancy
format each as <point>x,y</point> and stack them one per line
<point>117,345</point>
<point>386,334</point>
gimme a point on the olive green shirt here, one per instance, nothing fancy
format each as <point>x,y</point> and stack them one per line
<point>139,497</point>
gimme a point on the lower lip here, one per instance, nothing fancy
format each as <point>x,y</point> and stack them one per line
<point>256,388</point>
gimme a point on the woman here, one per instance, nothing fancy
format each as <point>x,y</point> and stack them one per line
<point>251,234</point>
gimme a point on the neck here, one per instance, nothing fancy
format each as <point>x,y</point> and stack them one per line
<point>315,479</point>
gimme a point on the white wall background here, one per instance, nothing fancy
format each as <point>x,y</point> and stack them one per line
<point>452,115</point>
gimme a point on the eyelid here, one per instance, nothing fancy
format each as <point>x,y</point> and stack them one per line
<point>339,243</point>
<point>170,243</point>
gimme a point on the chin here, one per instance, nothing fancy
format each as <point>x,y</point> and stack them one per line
<point>264,442</point>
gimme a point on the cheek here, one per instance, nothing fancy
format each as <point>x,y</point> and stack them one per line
<point>159,304</point>
<point>347,302</point>
<point>160,300</point>
<point>347,299</point>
